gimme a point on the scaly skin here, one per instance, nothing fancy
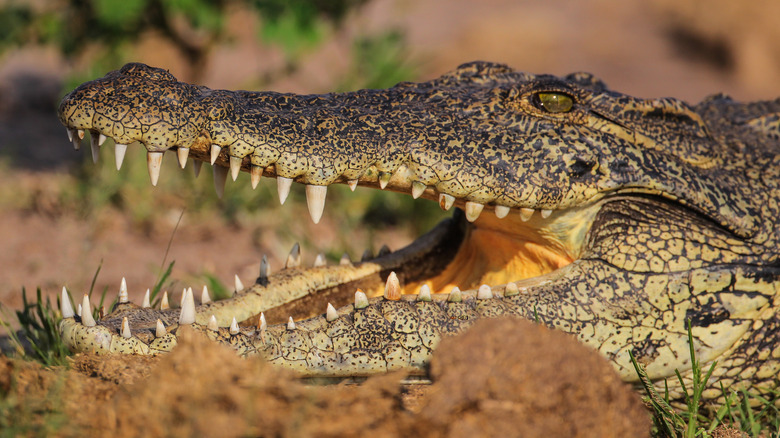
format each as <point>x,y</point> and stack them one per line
<point>653,213</point>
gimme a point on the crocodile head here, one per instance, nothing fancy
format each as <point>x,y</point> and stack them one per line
<point>596,205</point>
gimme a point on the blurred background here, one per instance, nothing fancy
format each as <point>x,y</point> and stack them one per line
<point>63,218</point>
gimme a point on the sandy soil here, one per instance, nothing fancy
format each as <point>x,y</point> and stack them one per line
<point>636,47</point>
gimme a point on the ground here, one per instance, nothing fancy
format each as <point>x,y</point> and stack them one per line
<point>636,47</point>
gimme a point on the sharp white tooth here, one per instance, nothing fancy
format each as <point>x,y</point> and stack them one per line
<point>265,268</point>
<point>315,199</point>
<point>74,138</point>
<point>501,211</point>
<point>86,312</point>
<point>384,178</point>
<point>164,305</point>
<point>220,176</point>
<point>160,331</point>
<point>361,300</point>
<point>484,292</point>
<point>70,134</point>
<point>239,284</point>
<point>546,213</point>
<point>95,146</point>
<point>183,296</point>
<point>511,289</point>
<point>526,213</point>
<point>255,172</point>
<point>182,153</point>
<point>147,300</point>
<point>153,163</point>
<point>204,296</point>
<point>187,315</point>
<point>123,298</point>
<point>101,140</point>
<point>473,209</point>
<point>446,201</point>
<point>290,324</point>
<point>455,295</point>
<point>65,305</point>
<point>330,313</point>
<point>294,258</point>
<point>119,154</point>
<point>425,293</point>
<point>283,188</point>
<point>213,324</point>
<point>263,324</point>
<point>196,165</point>
<point>392,288</point>
<point>418,189</point>
<point>319,260</point>
<point>214,153</point>
<point>345,260</point>
<point>80,133</point>
<point>234,326</point>
<point>126,329</point>
<point>235,166</point>
<point>352,183</point>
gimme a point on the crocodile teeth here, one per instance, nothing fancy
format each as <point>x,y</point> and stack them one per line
<point>164,305</point>
<point>330,313</point>
<point>283,188</point>
<point>345,260</point>
<point>352,183</point>
<point>425,293</point>
<point>265,268</point>
<point>73,136</point>
<point>392,288</point>
<point>187,315</point>
<point>182,153</point>
<point>212,325</point>
<point>196,165</point>
<point>126,329</point>
<point>86,312</point>
<point>214,153</point>
<point>384,178</point>
<point>78,311</point>
<point>501,211</point>
<point>119,154</point>
<point>455,295</point>
<point>234,326</point>
<point>418,189</point>
<point>511,289</point>
<point>94,143</point>
<point>146,303</point>
<point>319,260</point>
<point>546,213</point>
<point>484,292</point>
<point>235,166</point>
<point>315,199</point>
<point>263,324</point>
<point>526,213</point>
<point>361,300</point>
<point>446,201</point>
<point>123,298</point>
<point>101,139</point>
<point>473,209</point>
<point>220,176</point>
<point>160,331</point>
<point>65,305</point>
<point>204,296</point>
<point>294,257</point>
<point>290,324</point>
<point>239,284</point>
<point>153,163</point>
<point>255,172</point>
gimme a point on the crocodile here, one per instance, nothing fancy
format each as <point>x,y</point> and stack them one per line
<point>622,221</point>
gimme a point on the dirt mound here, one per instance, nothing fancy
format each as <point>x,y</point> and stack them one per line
<point>502,378</point>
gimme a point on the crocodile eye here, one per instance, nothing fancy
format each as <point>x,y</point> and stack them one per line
<point>554,102</point>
